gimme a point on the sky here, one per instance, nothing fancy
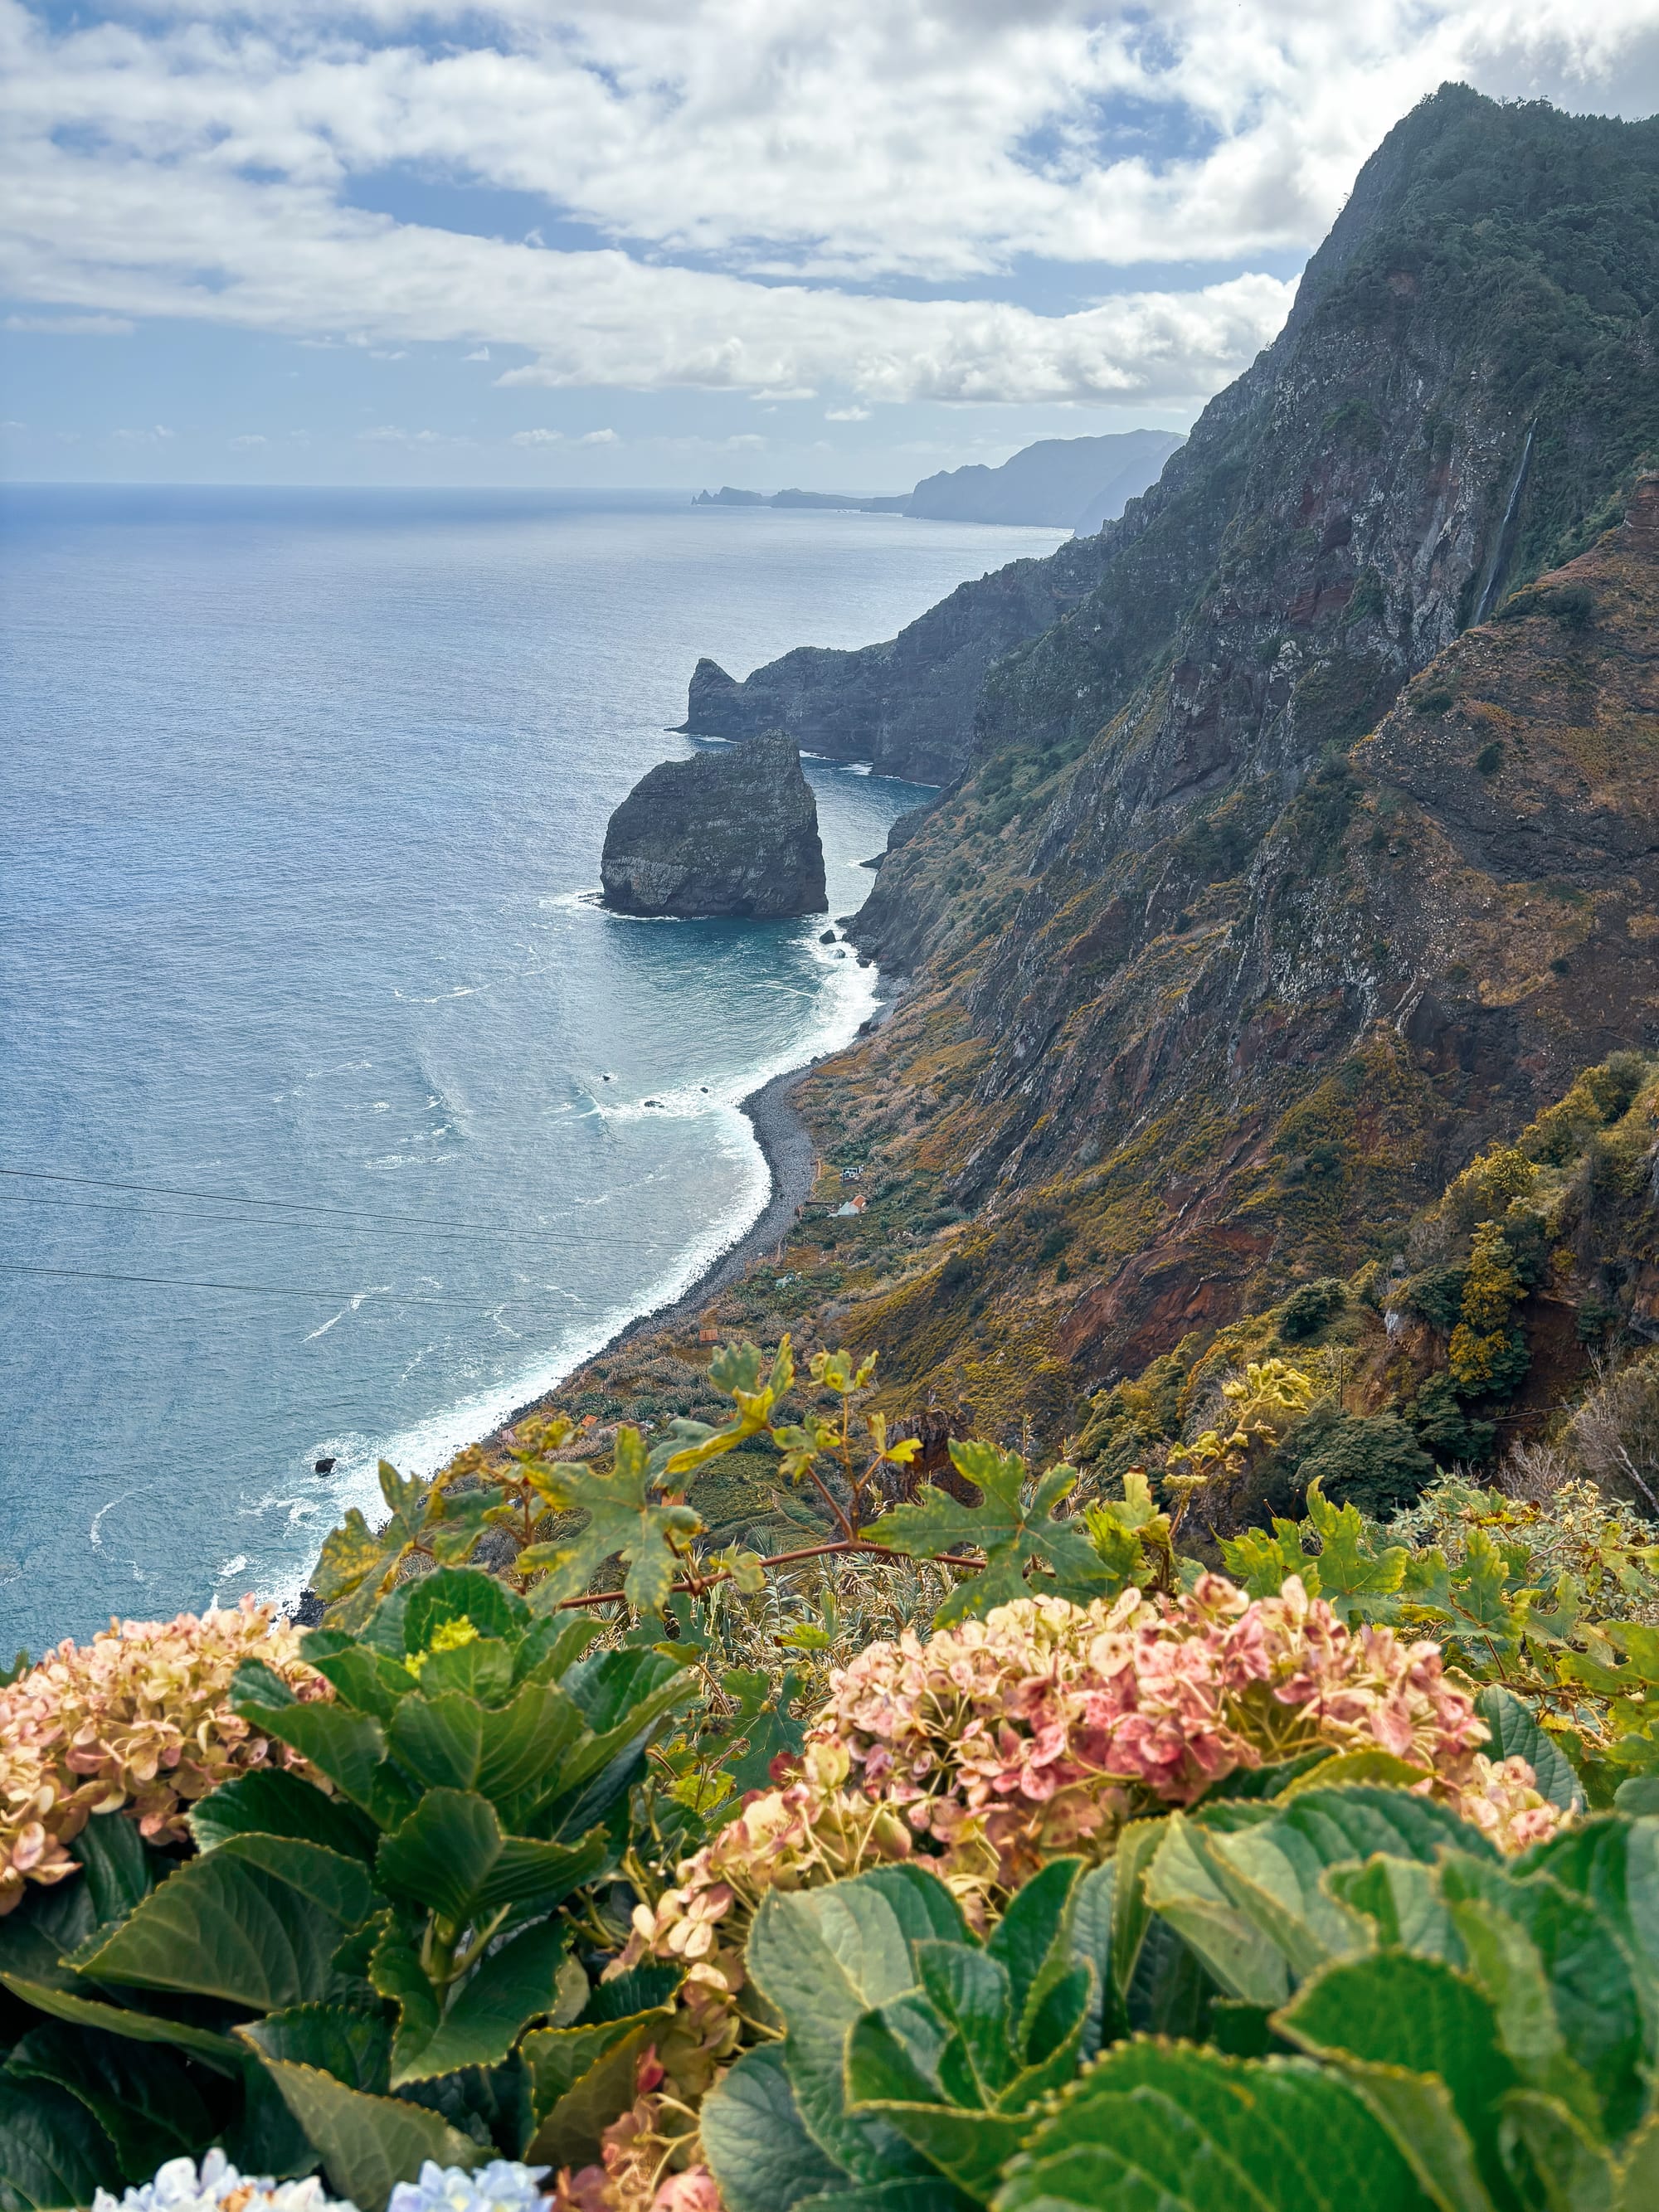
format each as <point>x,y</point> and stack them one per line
<point>687,242</point>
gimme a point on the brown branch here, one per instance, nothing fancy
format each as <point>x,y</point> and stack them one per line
<point>694,1585</point>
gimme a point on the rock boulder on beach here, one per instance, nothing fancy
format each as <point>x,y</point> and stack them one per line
<point>734,833</point>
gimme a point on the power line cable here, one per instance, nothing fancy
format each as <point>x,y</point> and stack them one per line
<point>263,1290</point>
<point>178,1213</point>
<point>279,1205</point>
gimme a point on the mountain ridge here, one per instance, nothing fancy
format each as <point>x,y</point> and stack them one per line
<point>1273,889</point>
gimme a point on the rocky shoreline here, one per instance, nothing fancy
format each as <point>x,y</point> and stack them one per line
<point>787,1146</point>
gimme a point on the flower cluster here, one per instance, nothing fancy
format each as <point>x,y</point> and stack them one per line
<point>216,2186</point>
<point>1502,1799</point>
<point>637,2152</point>
<point>810,1832</point>
<point>503,2185</point>
<point>135,1720</point>
<point>1039,1728</point>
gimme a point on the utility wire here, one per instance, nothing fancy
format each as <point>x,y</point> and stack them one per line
<point>236,1197</point>
<point>262,1290</point>
<point>179,1214</point>
<point>288,1206</point>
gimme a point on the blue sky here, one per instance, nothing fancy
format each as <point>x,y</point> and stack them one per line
<point>678,242</point>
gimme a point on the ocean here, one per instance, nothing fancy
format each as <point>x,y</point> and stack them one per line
<point>336,1119</point>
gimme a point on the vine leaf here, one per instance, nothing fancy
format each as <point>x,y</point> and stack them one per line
<point>1007,1529</point>
<point>359,1564</point>
<point>624,1518</point>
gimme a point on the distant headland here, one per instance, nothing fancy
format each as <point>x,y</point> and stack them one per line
<point>1065,483</point>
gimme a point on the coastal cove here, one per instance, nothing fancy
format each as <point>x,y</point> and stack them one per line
<point>380,1126</point>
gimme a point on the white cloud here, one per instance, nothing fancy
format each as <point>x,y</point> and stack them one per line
<point>597,437</point>
<point>73,326</point>
<point>744,170</point>
<point>537,438</point>
<point>388,353</point>
<point>251,438</point>
<point>847,414</point>
<point>478,353</point>
<point>157,435</point>
<point>10,425</point>
<point>391,434</point>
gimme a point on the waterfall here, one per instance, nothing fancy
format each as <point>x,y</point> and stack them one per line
<point>1500,559</point>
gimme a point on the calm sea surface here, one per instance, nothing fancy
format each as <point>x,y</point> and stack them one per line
<point>335,1120</point>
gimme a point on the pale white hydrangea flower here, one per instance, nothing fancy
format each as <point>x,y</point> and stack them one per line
<point>216,2186</point>
<point>503,2185</point>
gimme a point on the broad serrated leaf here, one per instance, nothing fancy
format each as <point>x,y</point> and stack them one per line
<point>117,1868</point>
<point>1005,1530</point>
<point>1168,2128</point>
<point>1419,2041</point>
<point>143,2096</point>
<point>1516,1734</point>
<point>51,2152</point>
<point>271,1802</point>
<point>972,1994</point>
<point>755,2142</point>
<point>581,2079</point>
<point>451,1856</point>
<point>1613,1864</point>
<point>138,2025</point>
<point>1030,1934</point>
<point>515,1984</point>
<point>368,2144</point>
<point>1184,1891</point>
<point>256,1922</point>
<point>511,1753</point>
<point>1402,1899</point>
<point>822,1959</point>
<point>1570,1957</point>
<point>466,1594</point>
<point>1089,1942</point>
<point>395,1972</point>
<point>346,1746</point>
<point>366,1679</point>
<point>354,2045</point>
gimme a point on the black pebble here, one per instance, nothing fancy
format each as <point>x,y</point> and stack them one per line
<point>324,1467</point>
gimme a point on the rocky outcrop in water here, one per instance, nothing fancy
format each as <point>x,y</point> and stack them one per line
<point>733,833</point>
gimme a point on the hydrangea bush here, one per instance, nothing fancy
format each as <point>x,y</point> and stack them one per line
<point>138,1722</point>
<point>989,1749</point>
<point>182,2185</point>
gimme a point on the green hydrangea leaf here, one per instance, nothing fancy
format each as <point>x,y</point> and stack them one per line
<point>1186,2128</point>
<point>755,2142</point>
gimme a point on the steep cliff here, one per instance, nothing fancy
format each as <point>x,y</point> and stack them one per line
<point>1273,888</point>
<point>1230,985</point>
<point>907,706</point>
<point>733,832</point>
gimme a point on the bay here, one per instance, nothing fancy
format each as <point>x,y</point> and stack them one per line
<point>335,1119</point>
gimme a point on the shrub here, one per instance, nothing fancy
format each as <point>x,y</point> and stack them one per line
<point>1310,1307</point>
<point>1371,1461</point>
<point>346,1966</point>
<point>138,1721</point>
<point>1435,1295</point>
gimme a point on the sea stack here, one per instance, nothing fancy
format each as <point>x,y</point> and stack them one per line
<point>728,833</point>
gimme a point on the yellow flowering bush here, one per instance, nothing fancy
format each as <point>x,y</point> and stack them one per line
<point>138,1721</point>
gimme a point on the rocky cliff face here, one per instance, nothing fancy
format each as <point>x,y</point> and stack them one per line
<point>733,832</point>
<point>1278,882</point>
<point>907,705</point>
